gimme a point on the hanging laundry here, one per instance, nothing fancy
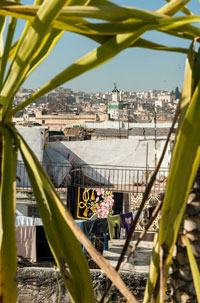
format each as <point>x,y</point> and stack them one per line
<point>83,203</point>
<point>26,242</point>
<point>97,229</point>
<point>105,203</point>
<point>127,220</point>
<point>114,225</point>
<point>86,204</point>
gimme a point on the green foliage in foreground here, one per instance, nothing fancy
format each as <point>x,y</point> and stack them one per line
<point>123,27</point>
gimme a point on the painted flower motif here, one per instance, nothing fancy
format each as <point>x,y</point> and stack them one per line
<point>109,200</point>
<point>100,192</point>
<point>102,210</point>
<point>105,203</point>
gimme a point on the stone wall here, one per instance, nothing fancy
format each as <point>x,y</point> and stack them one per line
<point>44,285</point>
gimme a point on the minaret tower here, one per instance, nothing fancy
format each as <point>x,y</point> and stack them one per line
<point>114,105</point>
<point>115,94</point>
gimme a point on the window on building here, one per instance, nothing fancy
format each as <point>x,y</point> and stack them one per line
<point>33,211</point>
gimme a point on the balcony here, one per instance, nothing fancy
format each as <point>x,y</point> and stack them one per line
<point>112,178</point>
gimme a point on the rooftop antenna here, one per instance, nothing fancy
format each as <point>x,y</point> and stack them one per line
<point>147,153</point>
<point>128,123</point>
<point>119,125</point>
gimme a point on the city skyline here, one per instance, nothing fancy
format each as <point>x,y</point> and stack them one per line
<point>105,92</point>
<point>133,70</point>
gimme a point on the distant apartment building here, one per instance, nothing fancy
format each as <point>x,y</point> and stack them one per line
<point>63,120</point>
<point>149,94</point>
<point>159,103</point>
<point>166,97</point>
<point>25,118</point>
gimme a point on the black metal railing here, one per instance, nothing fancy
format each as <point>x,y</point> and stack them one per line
<point>114,178</point>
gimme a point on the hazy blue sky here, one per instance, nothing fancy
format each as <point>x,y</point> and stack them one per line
<point>133,69</point>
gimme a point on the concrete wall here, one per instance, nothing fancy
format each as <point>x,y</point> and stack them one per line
<point>115,124</point>
<point>22,209</point>
<point>35,137</point>
<point>25,199</point>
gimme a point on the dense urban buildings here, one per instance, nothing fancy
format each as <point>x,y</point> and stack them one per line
<point>82,116</point>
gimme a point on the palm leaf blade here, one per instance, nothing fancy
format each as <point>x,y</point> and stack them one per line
<point>8,258</point>
<point>194,268</point>
<point>62,222</point>
<point>59,234</point>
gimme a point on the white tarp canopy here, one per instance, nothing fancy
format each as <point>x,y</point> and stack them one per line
<point>132,152</point>
<point>120,159</point>
<point>56,165</point>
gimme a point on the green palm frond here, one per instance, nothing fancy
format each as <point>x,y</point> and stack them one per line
<point>115,28</point>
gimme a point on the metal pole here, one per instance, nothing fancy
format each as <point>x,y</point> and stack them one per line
<point>119,122</point>
<point>128,122</point>
<point>155,136</point>
<point>147,164</point>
